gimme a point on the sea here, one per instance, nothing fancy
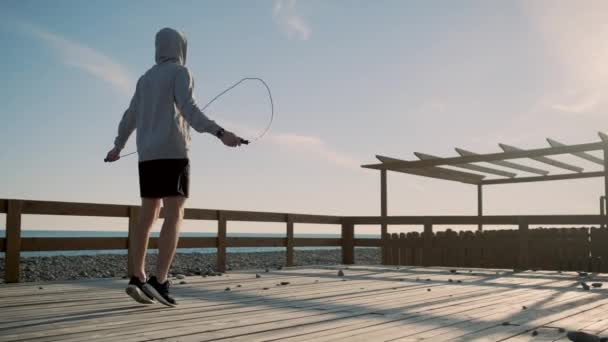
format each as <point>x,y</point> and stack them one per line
<point>28,233</point>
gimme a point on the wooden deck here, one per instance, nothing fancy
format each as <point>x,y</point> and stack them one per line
<point>368,304</point>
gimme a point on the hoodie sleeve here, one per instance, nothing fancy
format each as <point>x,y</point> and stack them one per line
<point>187,106</point>
<point>127,123</point>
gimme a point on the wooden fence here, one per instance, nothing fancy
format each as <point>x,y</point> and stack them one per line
<point>524,248</point>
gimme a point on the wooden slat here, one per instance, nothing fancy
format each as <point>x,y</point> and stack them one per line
<point>200,214</point>
<point>255,242</point>
<point>544,178</point>
<point>466,220</point>
<point>320,219</point>
<point>317,242</point>
<point>348,244</point>
<point>42,244</point>
<point>506,164</point>
<point>2,245</point>
<point>368,242</point>
<point>546,160</point>
<point>221,241</point>
<point>3,206</point>
<point>435,172</point>
<point>73,244</point>
<point>472,167</point>
<point>489,157</point>
<point>74,209</point>
<point>583,155</point>
<point>13,241</point>
<point>384,213</point>
<point>289,241</point>
<point>231,215</point>
<point>134,212</point>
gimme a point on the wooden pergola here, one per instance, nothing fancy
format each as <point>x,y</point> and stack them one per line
<point>431,166</point>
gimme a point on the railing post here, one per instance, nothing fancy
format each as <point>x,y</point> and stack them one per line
<point>384,214</point>
<point>524,244</point>
<point>348,243</point>
<point>133,221</point>
<point>13,241</point>
<point>427,244</point>
<point>221,241</point>
<point>290,244</point>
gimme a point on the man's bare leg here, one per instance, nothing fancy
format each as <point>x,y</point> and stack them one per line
<point>169,234</point>
<point>138,241</point>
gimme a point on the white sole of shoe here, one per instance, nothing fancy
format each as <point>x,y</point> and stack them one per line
<point>140,297</point>
<point>152,292</point>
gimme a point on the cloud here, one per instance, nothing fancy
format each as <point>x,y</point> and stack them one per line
<point>289,21</point>
<point>79,56</point>
<point>299,143</point>
<point>316,147</point>
<point>574,35</point>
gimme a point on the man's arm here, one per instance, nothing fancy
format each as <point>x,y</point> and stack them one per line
<point>127,125</point>
<point>187,104</point>
<point>125,129</point>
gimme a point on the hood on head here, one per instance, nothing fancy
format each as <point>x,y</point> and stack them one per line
<point>171,46</point>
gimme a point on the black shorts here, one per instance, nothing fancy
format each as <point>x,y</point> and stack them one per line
<point>164,178</point>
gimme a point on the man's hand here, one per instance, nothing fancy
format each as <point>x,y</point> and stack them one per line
<point>230,139</point>
<point>113,155</point>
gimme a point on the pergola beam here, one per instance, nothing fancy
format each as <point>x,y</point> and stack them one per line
<point>492,156</point>
<point>506,164</point>
<point>435,172</point>
<point>583,155</point>
<point>544,178</point>
<point>477,168</point>
<point>542,159</point>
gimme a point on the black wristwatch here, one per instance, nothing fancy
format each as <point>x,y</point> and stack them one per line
<point>220,133</point>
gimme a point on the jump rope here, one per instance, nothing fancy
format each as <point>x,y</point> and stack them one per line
<point>243,141</point>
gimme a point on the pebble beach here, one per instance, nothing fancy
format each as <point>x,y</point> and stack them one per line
<point>50,268</point>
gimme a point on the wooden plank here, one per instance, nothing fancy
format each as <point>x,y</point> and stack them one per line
<point>13,241</point>
<point>134,212</point>
<point>524,243</point>
<point>317,242</point>
<point>74,209</point>
<point>546,160</point>
<point>368,242</point>
<point>290,256</point>
<point>255,242</point>
<point>471,220</point>
<point>428,244</point>
<point>479,205</point>
<point>254,216</point>
<point>544,178</point>
<point>348,244</point>
<point>221,241</point>
<point>320,219</point>
<point>433,172</point>
<point>3,206</point>
<point>507,164</point>
<point>200,214</point>
<point>489,157</point>
<point>583,155</point>
<point>109,243</point>
<point>472,167</point>
<point>383,214</point>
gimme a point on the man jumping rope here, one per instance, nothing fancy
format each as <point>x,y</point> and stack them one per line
<point>162,110</point>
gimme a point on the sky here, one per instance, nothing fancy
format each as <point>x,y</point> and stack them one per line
<point>350,79</point>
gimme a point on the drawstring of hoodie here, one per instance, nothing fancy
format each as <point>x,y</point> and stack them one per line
<point>263,132</point>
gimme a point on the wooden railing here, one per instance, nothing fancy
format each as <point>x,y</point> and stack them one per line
<point>13,244</point>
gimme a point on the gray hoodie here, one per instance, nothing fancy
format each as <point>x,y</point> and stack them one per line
<point>163,107</point>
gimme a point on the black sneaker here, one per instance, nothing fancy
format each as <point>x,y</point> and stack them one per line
<point>135,290</point>
<point>159,291</point>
